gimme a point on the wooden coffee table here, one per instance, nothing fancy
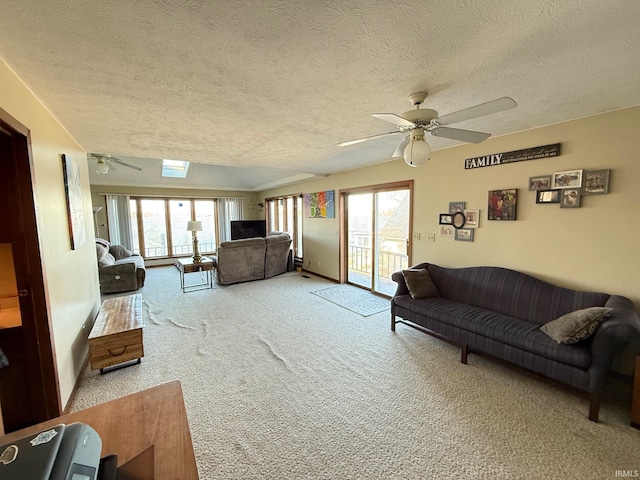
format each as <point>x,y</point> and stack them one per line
<point>187,265</point>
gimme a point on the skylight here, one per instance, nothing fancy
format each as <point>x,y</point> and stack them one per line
<point>175,168</point>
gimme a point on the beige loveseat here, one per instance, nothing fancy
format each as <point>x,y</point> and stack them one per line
<point>252,258</point>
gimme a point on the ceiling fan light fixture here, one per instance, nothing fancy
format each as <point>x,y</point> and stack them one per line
<point>417,152</point>
<point>102,168</point>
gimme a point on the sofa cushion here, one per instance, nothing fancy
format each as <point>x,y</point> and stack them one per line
<point>101,252</point>
<point>576,326</point>
<point>106,260</point>
<point>419,283</point>
<point>118,251</point>
<point>510,292</point>
<point>508,330</point>
<point>244,242</point>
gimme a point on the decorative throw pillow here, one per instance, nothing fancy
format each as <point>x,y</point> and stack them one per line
<point>102,241</point>
<point>118,251</point>
<point>576,326</point>
<point>419,283</point>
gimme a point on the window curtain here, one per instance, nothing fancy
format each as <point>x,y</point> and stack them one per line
<point>119,221</point>
<point>229,209</point>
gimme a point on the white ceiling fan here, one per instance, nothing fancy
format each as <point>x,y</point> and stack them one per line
<point>106,163</point>
<point>416,123</point>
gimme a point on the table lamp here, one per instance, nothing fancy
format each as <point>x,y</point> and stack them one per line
<point>195,226</point>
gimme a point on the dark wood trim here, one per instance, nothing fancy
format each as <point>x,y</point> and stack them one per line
<point>39,331</point>
<point>380,187</point>
<point>343,267</point>
<point>635,396</point>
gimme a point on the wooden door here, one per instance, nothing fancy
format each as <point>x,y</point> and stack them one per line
<point>28,386</point>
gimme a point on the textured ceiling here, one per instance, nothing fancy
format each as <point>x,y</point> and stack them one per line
<point>278,84</point>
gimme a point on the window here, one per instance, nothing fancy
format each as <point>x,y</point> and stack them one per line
<point>179,215</point>
<point>154,225</point>
<point>205,212</point>
<point>175,168</point>
<point>159,225</point>
<point>284,214</point>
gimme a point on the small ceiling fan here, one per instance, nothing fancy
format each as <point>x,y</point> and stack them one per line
<point>106,163</point>
<point>416,123</point>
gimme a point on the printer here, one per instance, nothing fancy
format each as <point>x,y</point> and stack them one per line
<point>64,452</point>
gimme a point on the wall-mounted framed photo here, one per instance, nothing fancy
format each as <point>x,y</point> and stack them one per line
<point>456,207</point>
<point>472,218</point>
<point>570,198</point>
<point>596,182</point>
<point>458,220</point>
<point>464,234</point>
<point>541,182</point>
<point>548,196</point>
<point>447,231</point>
<point>566,179</point>
<point>446,219</point>
<point>502,204</point>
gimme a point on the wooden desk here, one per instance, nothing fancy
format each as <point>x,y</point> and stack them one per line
<point>131,424</point>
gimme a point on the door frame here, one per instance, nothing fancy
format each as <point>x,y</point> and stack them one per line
<point>344,215</point>
<point>42,375</point>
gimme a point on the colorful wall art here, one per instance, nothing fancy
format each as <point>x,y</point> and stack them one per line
<point>319,204</point>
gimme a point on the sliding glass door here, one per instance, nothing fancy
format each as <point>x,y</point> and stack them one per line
<point>377,223</point>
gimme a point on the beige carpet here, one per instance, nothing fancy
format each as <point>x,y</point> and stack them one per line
<point>281,384</point>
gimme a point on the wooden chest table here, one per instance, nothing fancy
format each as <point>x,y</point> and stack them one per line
<point>116,336</point>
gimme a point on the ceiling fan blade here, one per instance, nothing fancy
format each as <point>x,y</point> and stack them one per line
<point>458,134</point>
<point>494,106</point>
<point>395,119</point>
<point>401,146</point>
<point>125,164</point>
<point>360,140</point>
<point>110,165</point>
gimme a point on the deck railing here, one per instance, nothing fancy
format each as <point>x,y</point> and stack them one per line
<point>388,262</point>
<point>178,250</point>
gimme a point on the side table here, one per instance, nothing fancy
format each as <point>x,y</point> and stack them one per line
<point>187,265</point>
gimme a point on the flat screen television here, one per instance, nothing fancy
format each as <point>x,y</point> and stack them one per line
<point>248,229</point>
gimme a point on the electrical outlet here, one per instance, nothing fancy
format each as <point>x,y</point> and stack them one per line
<point>416,236</point>
<point>318,262</point>
<point>431,237</point>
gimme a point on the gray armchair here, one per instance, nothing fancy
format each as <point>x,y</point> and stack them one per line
<point>119,270</point>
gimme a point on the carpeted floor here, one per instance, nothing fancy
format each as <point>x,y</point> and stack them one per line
<point>355,299</point>
<point>281,384</point>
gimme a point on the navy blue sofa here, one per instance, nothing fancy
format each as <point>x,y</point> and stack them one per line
<point>498,312</point>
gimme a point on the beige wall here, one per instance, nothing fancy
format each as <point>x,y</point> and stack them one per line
<point>590,248</point>
<point>71,275</point>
